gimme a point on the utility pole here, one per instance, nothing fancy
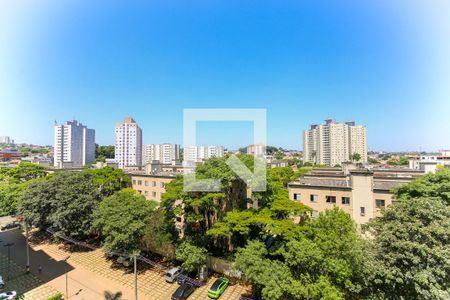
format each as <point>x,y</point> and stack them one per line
<point>27,247</point>
<point>135,278</point>
<point>9,245</point>
<point>65,271</point>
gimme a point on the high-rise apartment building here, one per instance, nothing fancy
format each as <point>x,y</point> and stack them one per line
<point>333,143</point>
<point>128,143</point>
<point>164,153</point>
<point>195,154</point>
<point>6,140</point>
<point>74,145</point>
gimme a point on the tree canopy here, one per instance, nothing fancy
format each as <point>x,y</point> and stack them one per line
<point>64,201</point>
<point>412,239</point>
<point>13,182</point>
<point>323,261</point>
<point>121,220</point>
<point>193,257</point>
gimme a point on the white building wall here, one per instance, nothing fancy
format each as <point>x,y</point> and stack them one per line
<point>74,144</point>
<point>164,153</point>
<point>200,153</point>
<point>128,143</point>
<point>332,143</point>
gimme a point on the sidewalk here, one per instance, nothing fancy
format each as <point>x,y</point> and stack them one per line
<point>24,283</point>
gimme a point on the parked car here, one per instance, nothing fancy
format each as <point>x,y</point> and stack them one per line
<point>2,283</point>
<point>219,286</point>
<point>8,295</point>
<point>172,274</point>
<point>181,278</point>
<point>10,226</point>
<point>184,291</point>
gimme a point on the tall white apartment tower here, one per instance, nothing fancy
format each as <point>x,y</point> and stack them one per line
<point>128,143</point>
<point>74,145</point>
<point>164,153</point>
<point>333,143</point>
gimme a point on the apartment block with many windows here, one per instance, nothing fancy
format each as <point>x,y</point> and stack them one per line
<point>333,143</point>
<point>164,153</point>
<point>74,145</point>
<point>197,154</point>
<point>128,143</point>
<point>360,192</point>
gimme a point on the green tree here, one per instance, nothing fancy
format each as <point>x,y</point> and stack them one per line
<point>157,238</point>
<point>121,220</point>
<point>64,201</point>
<point>325,259</point>
<point>110,180</point>
<point>279,155</point>
<point>372,161</point>
<point>13,182</point>
<point>10,197</point>
<point>431,185</point>
<point>21,173</point>
<point>193,257</point>
<point>413,258</point>
<point>355,157</point>
<point>104,151</point>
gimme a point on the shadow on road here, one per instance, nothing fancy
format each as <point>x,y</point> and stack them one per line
<point>43,268</point>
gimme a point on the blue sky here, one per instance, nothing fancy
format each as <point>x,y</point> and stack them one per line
<point>384,64</point>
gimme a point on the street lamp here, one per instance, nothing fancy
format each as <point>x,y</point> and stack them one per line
<point>9,245</point>
<point>65,271</point>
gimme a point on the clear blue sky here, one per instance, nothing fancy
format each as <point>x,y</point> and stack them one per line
<point>384,64</point>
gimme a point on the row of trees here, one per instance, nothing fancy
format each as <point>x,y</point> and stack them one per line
<point>401,255</point>
<point>285,255</point>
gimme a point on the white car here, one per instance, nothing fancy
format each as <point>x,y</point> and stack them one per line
<point>2,283</point>
<point>8,295</point>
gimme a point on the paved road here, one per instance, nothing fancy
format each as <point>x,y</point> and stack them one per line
<point>51,268</point>
<point>82,284</point>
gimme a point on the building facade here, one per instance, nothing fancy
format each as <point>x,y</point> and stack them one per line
<point>164,153</point>
<point>74,145</point>
<point>258,150</point>
<point>6,140</point>
<point>152,186</point>
<point>196,154</point>
<point>360,192</point>
<point>333,143</point>
<point>128,143</point>
<point>430,162</point>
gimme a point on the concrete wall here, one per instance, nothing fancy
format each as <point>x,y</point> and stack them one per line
<point>222,266</point>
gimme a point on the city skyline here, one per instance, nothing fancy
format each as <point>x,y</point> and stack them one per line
<point>383,65</point>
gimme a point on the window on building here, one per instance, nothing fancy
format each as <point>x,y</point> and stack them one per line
<point>346,200</point>
<point>146,183</point>
<point>178,219</point>
<point>363,211</point>
<point>145,193</point>
<point>161,184</point>
<point>154,183</point>
<point>314,214</point>
<point>331,199</point>
<point>297,196</point>
<point>314,198</point>
<point>380,203</point>
<point>134,181</point>
<point>139,182</point>
<point>153,194</point>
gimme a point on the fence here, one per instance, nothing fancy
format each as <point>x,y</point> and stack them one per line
<point>140,257</point>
